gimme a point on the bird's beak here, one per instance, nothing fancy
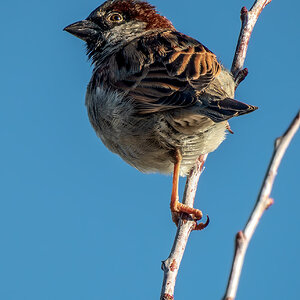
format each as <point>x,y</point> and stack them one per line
<point>84,30</point>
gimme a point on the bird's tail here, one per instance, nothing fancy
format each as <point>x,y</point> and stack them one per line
<point>222,110</point>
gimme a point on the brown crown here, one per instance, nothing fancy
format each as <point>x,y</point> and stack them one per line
<point>142,11</point>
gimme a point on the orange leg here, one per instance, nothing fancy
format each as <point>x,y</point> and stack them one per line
<point>175,205</point>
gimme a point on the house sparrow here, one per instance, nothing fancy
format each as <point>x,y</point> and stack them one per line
<point>158,98</point>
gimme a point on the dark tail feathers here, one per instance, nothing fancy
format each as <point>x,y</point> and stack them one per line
<point>222,110</point>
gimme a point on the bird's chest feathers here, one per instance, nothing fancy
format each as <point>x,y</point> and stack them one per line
<point>101,104</point>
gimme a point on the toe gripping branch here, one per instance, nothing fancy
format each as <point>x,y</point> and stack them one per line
<point>176,206</point>
<point>201,225</point>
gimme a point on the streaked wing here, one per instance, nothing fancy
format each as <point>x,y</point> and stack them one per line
<point>166,71</point>
<point>196,64</point>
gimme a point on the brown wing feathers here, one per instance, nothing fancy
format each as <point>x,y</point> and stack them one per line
<point>193,63</point>
<point>173,70</point>
<point>173,65</point>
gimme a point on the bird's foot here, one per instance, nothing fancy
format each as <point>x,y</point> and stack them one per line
<point>196,214</point>
<point>178,208</point>
<point>201,225</point>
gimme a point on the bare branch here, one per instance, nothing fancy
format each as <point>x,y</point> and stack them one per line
<point>248,19</point>
<point>185,226</point>
<point>171,265</point>
<point>263,202</point>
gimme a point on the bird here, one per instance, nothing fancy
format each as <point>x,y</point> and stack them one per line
<point>157,97</point>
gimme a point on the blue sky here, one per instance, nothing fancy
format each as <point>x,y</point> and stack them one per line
<point>78,223</point>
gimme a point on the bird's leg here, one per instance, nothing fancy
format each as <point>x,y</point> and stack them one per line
<point>175,205</point>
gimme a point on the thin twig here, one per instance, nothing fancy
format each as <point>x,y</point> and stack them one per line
<point>185,226</point>
<point>263,202</point>
<point>248,19</point>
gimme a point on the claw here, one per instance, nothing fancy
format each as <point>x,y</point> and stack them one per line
<point>202,226</point>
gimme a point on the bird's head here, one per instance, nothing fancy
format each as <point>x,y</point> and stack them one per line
<point>115,23</point>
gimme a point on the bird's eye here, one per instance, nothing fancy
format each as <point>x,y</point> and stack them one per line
<point>115,17</point>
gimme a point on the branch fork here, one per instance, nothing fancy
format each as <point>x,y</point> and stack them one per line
<point>186,224</point>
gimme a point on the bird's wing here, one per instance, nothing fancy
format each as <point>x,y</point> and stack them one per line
<point>166,71</point>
